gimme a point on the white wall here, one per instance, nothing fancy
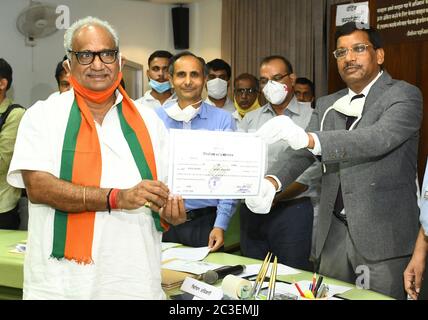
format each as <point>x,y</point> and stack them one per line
<point>205,28</point>
<point>142,26</point>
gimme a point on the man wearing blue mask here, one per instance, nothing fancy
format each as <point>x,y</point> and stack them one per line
<point>157,74</point>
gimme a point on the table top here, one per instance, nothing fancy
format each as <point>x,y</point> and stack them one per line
<point>11,264</point>
<point>11,268</point>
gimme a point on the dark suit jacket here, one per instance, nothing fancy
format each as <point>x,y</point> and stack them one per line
<point>375,164</point>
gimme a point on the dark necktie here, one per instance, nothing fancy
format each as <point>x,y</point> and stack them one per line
<point>338,206</point>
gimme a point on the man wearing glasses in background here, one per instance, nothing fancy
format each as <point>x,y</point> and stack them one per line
<point>286,230</point>
<point>92,164</point>
<point>245,96</point>
<point>367,139</point>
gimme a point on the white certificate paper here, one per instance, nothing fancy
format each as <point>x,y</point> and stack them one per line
<point>215,164</point>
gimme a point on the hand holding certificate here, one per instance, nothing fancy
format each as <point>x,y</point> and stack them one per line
<point>215,164</point>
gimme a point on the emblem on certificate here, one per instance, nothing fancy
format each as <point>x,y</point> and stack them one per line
<point>215,164</point>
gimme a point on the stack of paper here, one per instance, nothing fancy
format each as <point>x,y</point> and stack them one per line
<point>173,279</point>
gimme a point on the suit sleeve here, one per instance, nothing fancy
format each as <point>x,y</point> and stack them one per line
<point>400,120</point>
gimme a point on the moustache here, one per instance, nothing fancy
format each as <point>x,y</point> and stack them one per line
<point>351,65</point>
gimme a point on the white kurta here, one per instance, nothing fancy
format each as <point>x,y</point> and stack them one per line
<point>126,246</point>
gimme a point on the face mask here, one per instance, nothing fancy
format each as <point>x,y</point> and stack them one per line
<point>185,114</point>
<point>275,92</point>
<point>217,88</point>
<point>160,87</point>
<point>353,109</point>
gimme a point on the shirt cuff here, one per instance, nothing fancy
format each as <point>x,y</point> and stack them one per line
<point>317,145</point>
<point>222,221</point>
<point>277,181</point>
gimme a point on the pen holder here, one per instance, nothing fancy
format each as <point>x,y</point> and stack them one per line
<point>310,296</point>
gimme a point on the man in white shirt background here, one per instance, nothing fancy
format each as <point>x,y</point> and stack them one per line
<point>157,75</point>
<point>219,73</point>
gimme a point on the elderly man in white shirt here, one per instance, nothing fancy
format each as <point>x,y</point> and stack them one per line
<point>93,165</point>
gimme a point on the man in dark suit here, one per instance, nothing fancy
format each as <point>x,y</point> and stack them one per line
<point>366,137</point>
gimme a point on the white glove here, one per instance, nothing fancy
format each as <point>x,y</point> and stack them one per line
<point>282,127</point>
<point>263,202</point>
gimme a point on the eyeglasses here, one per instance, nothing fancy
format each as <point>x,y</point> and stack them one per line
<point>277,78</point>
<point>243,91</point>
<point>87,57</point>
<point>358,48</point>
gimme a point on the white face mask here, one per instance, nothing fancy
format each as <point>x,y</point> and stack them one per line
<point>185,114</point>
<point>217,88</point>
<point>275,92</point>
<point>350,109</point>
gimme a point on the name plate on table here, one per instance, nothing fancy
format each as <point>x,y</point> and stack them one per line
<point>201,290</point>
<point>215,164</point>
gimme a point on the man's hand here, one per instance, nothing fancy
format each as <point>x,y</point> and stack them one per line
<point>153,194</point>
<point>263,202</point>
<point>413,276</point>
<point>416,267</point>
<point>174,212</point>
<point>216,239</point>
<point>283,128</point>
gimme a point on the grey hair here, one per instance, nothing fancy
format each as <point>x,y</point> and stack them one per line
<point>87,21</point>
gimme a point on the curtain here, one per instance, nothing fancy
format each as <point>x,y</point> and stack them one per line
<point>296,29</point>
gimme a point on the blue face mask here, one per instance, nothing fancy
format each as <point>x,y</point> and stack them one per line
<point>160,87</point>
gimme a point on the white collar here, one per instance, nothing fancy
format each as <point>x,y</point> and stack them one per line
<point>148,96</point>
<point>366,90</point>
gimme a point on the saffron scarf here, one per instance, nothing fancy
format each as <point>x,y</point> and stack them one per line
<point>81,164</point>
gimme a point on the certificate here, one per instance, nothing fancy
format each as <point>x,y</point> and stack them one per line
<point>215,164</point>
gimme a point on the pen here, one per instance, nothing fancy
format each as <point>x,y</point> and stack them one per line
<point>260,276</point>
<point>320,291</point>
<point>271,291</point>
<point>300,290</point>
<point>320,278</point>
<point>313,285</point>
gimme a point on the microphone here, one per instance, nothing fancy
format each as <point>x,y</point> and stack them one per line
<point>212,276</point>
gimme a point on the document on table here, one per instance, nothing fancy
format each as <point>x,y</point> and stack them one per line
<point>168,245</point>
<point>253,269</point>
<point>190,254</point>
<point>215,164</point>
<point>195,267</point>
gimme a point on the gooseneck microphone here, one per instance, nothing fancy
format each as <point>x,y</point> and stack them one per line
<point>212,276</point>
